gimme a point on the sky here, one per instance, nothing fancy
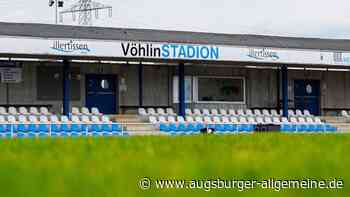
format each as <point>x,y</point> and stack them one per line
<point>297,18</point>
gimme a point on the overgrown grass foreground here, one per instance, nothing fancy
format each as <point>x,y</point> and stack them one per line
<point>64,167</point>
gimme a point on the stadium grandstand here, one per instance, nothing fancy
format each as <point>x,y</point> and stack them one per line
<point>59,80</point>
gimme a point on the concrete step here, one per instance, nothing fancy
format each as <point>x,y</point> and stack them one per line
<point>342,127</point>
<point>335,119</point>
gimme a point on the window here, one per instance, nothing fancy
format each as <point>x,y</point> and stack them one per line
<point>220,89</point>
<point>188,89</point>
<point>49,83</point>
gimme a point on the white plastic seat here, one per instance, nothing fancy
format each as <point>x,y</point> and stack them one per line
<point>293,120</point>
<point>242,120</point>
<point>153,120</point>
<point>274,112</point>
<point>240,112</point>
<point>44,111</point>
<point>276,120</point>
<point>257,112</point>
<point>232,112</point>
<point>197,112</point>
<point>162,119</point>
<point>34,111</point>
<point>216,119</point>
<point>64,119</point>
<point>75,119</point>
<point>307,113</point>
<point>291,112</point>
<point>54,119</point>
<point>223,112</point>
<point>170,111</point>
<point>268,120</point>
<point>301,120</point>
<point>260,120</point>
<point>3,111</point>
<point>85,111</point>
<point>161,111</point>
<point>206,112</point>
<point>151,111</point>
<point>95,111</point>
<point>198,119</point>
<point>85,119</point>
<point>309,120</point>
<point>105,119</point>
<point>266,112</point>
<point>234,120</point>
<point>249,112</point>
<point>2,119</point>
<point>284,120</point>
<point>214,112</point>
<point>75,111</point>
<point>181,119</point>
<point>43,119</point>
<point>11,119</point>
<point>207,120</point>
<point>23,111</point>
<point>22,119</point>
<point>94,119</point>
<point>189,119</point>
<point>33,119</point>
<point>142,112</point>
<point>251,120</point>
<point>298,112</point>
<point>225,119</point>
<point>188,112</point>
<point>12,111</point>
<point>317,120</point>
<point>171,119</point>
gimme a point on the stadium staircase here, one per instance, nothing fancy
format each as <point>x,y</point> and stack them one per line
<point>135,125</point>
<point>342,123</point>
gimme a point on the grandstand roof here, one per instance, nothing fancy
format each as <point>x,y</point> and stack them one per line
<point>102,33</point>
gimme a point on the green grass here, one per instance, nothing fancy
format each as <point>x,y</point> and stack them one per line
<point>113,166</point>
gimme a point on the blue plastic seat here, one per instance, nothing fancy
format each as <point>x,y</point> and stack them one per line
<point>191,128</point>
<point>220,128</point>
<point>329,128</point>
<point>65,128</point>
<point>21,128</point>
<point>116,127</point>
<point>164,127</point>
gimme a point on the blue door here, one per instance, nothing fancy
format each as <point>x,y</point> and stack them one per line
<point>307,95</point>
<point>101,92</point>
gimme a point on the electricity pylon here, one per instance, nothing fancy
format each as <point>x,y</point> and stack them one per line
<point>85,10</point>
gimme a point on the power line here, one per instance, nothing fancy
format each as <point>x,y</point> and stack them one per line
<point>85,10</point>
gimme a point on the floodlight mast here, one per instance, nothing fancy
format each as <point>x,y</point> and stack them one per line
<point>84,9</point>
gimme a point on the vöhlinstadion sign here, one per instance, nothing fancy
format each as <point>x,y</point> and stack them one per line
<point>168,51</point>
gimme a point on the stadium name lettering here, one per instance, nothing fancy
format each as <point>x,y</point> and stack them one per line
<point>339,57</point>
<point>264,53</point>
<point>170,51</point>
<point>70,46</point>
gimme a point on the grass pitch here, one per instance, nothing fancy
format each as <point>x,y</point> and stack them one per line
<point>65,167</point>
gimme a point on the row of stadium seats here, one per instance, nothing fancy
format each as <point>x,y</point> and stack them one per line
<point>155,112</point>
<point>345,114</point>
<point>58,126</point>
<point>44,111</point>
<point>234,120</point>
<point>224,124</point>
<point>53,118</point>
<point>24,111</point>
<point>224,112</point>
<point>195,128</point>
<point>85,111</point>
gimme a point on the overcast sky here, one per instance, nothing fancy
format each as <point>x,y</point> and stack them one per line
<point>308,18</point>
